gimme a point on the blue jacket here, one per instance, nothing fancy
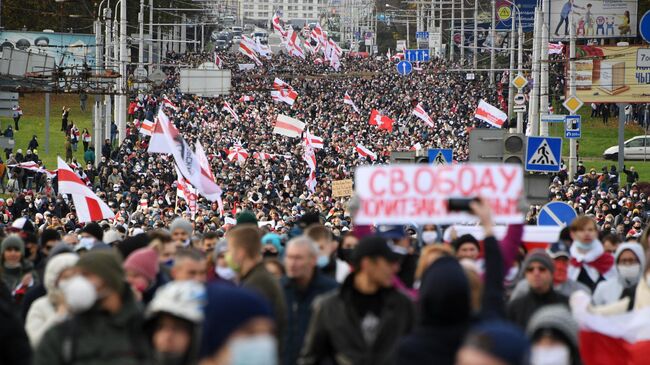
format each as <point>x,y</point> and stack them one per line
<point>299,309</point>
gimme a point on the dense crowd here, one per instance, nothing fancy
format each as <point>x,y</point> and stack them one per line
<point>284,275</point>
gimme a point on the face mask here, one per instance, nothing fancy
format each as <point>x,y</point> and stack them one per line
<point>86,242</point>
<point>169,358</point>
<point>169,263</point>
<point>583,246</point>
<point>80,294</point>
<point>269,254</point>
<point>429,237</point>
<point>550,355</point>
<point>629,273</point>
<point>345,254</point>
<point>225,273</point>
<point>260,349</point>
<point>231,262</point>
<point>322,261</point>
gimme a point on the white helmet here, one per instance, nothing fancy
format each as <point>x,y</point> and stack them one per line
<point>182,299</point>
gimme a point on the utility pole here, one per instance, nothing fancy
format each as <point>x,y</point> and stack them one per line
<point>451,30</point>
<point>121,118</point>
<point>475,41</point>
<point>108,44</point>
<point>573,145</point>
<point>520,70</point>
<point>462,32</point>
<point>511,87</point>
<point>493,45</point>
<point>97,110</point>
<point>183,45</point>
<point>150,34</point>
<point>543,86</point>
<point>533,115</point>
<point>141,29</point>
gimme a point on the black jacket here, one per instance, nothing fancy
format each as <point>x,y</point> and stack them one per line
<point>299,310</point>
<point>521,309</point>
<point>335,335</point>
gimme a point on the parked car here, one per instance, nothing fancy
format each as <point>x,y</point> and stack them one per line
<point>636,148</point>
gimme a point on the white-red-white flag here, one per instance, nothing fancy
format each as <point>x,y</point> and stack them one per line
<point>147,127</point>
<point>490,114</point>
<point>262,156</point>
<point>248,52</point>
<point>365,152</point>
<point>310,158</point>
<point>318,61</point>
<point>555,48</point>
<point>229,109</point>
<point>277,26</point>
<point>87,204</point>
<point>423,115</point>
<point>348,100</point>
<point>311,181</point>
<point>168,103</point>
<point>312,141</point>
<point>380,120</point>
<point>218,61</point>
<point>33,166</point>
<point>283,92</point>
<point>244,98</point>
<point>207,174</point>
<point>288,126</point>
<point>293,45</point>
<point>416,147</point>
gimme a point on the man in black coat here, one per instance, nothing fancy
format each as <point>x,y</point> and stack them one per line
<point>538,269</point>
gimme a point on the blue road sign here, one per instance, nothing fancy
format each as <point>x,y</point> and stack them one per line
<point>556,214</point>
<point>404,68</point>
<point>572,126</point>
<point>417,55</point>
<point>422,35</point>
<point>553,118</point>
<point>441,156</point>
<point>644,26</point>
<point>543,154</point>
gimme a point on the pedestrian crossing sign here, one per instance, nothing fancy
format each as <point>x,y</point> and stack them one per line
<point>440,156</point>
<point>543,154</point>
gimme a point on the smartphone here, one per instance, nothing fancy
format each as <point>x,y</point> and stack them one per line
<point>460,204</point>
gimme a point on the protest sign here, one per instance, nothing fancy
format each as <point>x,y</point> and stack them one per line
<point>341,188</point>
<point>406,194</point>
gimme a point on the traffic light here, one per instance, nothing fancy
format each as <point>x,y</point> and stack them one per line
<point>514,148</point>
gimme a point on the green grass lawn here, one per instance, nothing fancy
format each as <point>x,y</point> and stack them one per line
<point>33,123</point>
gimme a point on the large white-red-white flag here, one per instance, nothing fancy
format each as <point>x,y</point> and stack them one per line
<point>365,152</point>
<point>218,61</point>
<point>423,115</point>
<point>229,109</point>
<point>283,92</point>
<point>250,53</point>
<point>348,100</point>
<point>312,141</point>
<point>293,45</point>
<point>147,127</point>
<point>205,166</point>
<point>33,166</point>
<point>555,48</point>
<point>490,114</point>
<point>88,205</point>
<point>168,103</point>
<point>288,126</point>
<point>380,120</point>
<point>277,26</point>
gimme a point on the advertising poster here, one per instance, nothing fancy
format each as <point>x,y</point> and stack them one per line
<point>505,12</point>
<point>613,74</point>
<point>593,18</point>
<point>68,49</point>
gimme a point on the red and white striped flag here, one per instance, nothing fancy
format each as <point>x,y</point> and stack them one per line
<point>312,141</point>
<point>422,114</point>
<point>218,61</point>
<point>555,48</point>
<point>318,61</point>
<point>416,147</point>
<point>311,181</point>
<point>288,126</point>
<point>147,127</point>
<point>206,173</point>
<point>277,26</point>
<point>33,166</point>
<point>244,98</point>
<point>364,152</point>
<point>348,100</point>
<point>262,156</point>
<point>283,92</point>
<point>490,114</point>
<point>87,204</point>
<point>248,52</point>
<point>293,45</point>
<point>185,191</point>
<point>229,109</point>
<point>310,158</point>
<point>168,103</point>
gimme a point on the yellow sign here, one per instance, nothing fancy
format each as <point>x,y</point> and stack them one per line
<point>572,104</point>
<point>504,12</point>
<point>613,74</point>
<point>519,82</point>
<point>341,188</point>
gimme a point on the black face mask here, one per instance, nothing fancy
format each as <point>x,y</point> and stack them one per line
<point>267,253</point>
<point>345,254</point>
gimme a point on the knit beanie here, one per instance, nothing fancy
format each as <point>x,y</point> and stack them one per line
<point>540,256</point>
<point>94,230</point>
<point>105,264</point>
<point>49,235</point>
<point>466,238</point>
<point>274,240</point>
<point>246,217</point>
<point>132,243</point>
<point>55,266</point>
<point>13,241</point>
<point>554,317</point>
<point>227,309</point>
<point>181,223</point>
<point>501,339</point>
<point>143,261</point>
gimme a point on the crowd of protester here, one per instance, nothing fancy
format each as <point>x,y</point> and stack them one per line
<point>284,275</point>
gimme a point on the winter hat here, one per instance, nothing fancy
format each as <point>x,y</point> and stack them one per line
<point>130,244</point>
<point>466,238</point>
<point>246,217</point>
<point>444,294</point>
<point>556,318</point>
<point>112,236</point>
<point>49,235</point>
<point>23,224</point>
<point>94,230</point>
<point>13,241</point>
<point>501,339</point>
<point>60,248</point>
<point>275,240</point>
<point>143,261</point>
<point>181,223</point>
<point>540,256</point>
<point>107,265</point>
<point>227,309</point>
<point>55,267</point>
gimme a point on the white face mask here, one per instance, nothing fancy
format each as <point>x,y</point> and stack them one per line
<point>80,294</point>
<point>225,273</point>
<point>259,350</point>
<point>550,355</point>
<point>429,237</point>
<point>630,273</point>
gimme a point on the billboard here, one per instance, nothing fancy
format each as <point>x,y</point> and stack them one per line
<point>67,49</point>
<point>593,18</point>
<point>504,14</point>
<point>613,74</point>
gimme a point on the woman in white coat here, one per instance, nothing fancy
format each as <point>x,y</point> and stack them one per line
<point>49,310</point>
<point>630,266</point>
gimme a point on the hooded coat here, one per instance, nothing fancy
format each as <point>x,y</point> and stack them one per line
<point>444,316</point>
<point>610,291</point>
